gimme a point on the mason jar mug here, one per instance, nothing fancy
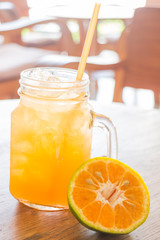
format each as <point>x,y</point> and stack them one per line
<point>51,136</point>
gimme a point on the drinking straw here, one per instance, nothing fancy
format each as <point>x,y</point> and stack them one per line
<point>88,42</point>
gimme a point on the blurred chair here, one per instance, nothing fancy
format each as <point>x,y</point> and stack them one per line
<point>14,56</point>
<point>139,48</point>
<point>36,35</point>
<point>8,12</point>
<point>139,54</point>
<point>21,7</point>
<point>152,3</point>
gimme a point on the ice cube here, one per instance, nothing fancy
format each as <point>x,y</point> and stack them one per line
<point>43,75</point>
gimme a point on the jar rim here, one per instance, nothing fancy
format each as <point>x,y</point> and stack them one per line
<point>64,73</point>
<point>61,83</point>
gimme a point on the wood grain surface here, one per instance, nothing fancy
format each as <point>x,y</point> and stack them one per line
<point>139,146</point>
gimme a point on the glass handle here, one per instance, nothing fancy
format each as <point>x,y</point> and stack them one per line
<point>109,128</point>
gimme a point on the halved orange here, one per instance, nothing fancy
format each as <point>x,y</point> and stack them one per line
<point>106,195</point>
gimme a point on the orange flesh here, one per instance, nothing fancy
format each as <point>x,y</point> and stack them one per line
<point>109,194</point>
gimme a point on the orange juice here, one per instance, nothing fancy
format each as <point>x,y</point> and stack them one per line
<point>50,139</point>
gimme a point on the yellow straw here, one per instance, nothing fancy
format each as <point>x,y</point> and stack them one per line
<point>88,42</point>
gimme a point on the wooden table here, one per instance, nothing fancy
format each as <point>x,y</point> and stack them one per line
<point>139,146</point>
